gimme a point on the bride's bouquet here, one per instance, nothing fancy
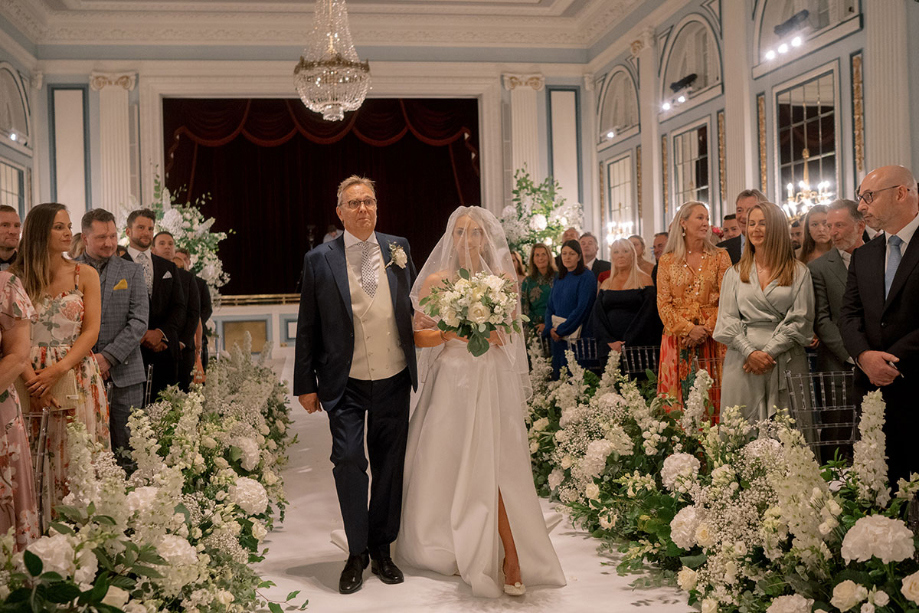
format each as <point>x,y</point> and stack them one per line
<point>475,306</point>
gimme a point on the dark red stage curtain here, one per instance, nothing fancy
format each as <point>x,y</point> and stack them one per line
<point>272,168</point>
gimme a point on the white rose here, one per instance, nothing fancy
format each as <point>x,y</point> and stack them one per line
<point>208,443</point>
<point>540,424</point>
<point>592,491</point>
<point>449,316</point>
<point>791,604</point>
<point>221,463</point>
<point>607,520</point>
<point>224,597</point>
<point>704,536</point>
<point>270,478</point>
<point>534,446</point>
<point>258,530</point>
<point>878,536</point>
<point>709,605</point>
<point>848,594</point>
<point>880,598</point>
<point>566,462</point>
<point>910,587</point>
<point>687,579</point>
<point>264,429</point>
<point>478,313</point>
<point>867,608</point>
<point>116,597</point>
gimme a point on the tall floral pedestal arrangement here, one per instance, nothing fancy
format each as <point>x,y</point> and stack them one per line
<point>538,214</point>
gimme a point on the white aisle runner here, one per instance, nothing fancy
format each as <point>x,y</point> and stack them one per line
<point>301,556</point>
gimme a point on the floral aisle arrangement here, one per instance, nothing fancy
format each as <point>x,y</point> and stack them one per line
<point>538,214</point>
<point>181,532</point>
<point>740,514</point>
<point>193,232</point>
<point>474,306</point>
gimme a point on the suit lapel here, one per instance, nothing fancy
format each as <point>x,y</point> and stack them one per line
<point>335,256</point>
<point>837,266</point>
<point>390,270</point>
<point>111,267</point>
<point>904,270</point>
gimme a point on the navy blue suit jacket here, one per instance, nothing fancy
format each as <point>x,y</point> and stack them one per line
<point>325,326</point>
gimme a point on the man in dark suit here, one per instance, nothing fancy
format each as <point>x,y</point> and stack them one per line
<point>878,319</point>
<point>125,310</point>
<point>353,373</point>
<point>160,344</point>
<point>10,232</point>
<point>745,201</point>
<point>207,306</point>
<point>590,247</point>
<point>164,245</point>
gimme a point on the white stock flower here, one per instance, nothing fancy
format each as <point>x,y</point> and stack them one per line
<point>910,587</point>
<point>249,495</point>
<point>868,463</point>
<point>847,594</point>
<point>683,527</point>
<point>878,536</point>
<point>791,604</point>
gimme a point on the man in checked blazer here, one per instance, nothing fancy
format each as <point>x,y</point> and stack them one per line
<point>125,309</point>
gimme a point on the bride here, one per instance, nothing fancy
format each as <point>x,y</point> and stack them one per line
<point>469,504</point>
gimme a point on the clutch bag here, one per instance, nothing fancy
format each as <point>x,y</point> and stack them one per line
<point>65,391</point>
<point>557,321</point>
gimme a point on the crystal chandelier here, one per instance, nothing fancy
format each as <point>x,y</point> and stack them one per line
<point>330,78</point>
<point>803,200</point>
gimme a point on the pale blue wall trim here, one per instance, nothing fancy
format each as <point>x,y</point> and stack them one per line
<point>285,320</point>
<point>577,120</point>
<point>18,36</point>
<point>86,140</point>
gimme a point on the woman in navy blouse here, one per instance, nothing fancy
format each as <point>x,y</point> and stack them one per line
<point>570,302</point>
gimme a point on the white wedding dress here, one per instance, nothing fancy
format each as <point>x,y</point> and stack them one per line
<point>467,440</point>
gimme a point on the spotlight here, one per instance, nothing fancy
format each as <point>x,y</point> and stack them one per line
<point>13,136</point>
<point>681,99</point>
<point>783,48</point>
<point>797,22</point>
<point>684,82</point>
<point>666,106</point>
<point>610,135</point>
<point>796,41</point>
<point>770,55</point>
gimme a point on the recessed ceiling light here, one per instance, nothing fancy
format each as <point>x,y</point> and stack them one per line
<point>681,99</point>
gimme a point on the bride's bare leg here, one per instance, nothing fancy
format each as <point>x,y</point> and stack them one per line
<point>511,561</point>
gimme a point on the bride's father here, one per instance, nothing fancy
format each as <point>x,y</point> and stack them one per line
<point>356,356</point>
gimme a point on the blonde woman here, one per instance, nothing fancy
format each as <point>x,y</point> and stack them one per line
<point>625,312</point>
<point>689,279</point>
<point>765,317</point>
<point>639,244</point>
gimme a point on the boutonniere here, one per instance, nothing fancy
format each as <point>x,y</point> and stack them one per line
<point>397,256</point>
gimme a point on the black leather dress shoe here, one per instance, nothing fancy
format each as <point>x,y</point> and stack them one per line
<point>352,577</point>
<point>387,570</point>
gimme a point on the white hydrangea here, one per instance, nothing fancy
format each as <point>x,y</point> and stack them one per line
<point>555,478</point>
<point>250,452</point>
<point>249,495</point>
<point>683,527</point>
<point>141,499</point>
<point>679,472</point>
<point>878,536</point>
<point>177,551</point>
<point>791,604</point>
<point>56,554</point>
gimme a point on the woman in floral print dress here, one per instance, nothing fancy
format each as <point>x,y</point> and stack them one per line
<point>18,504</point>
<point>67,299</point>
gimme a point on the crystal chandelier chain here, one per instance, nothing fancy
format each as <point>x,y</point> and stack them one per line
<point>330,77</point>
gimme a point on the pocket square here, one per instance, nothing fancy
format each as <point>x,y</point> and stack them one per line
<point>168,275</point>
<point>123,284</point>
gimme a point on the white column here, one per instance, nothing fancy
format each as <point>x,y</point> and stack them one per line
<point>591,179</point>
<point>740,162</point>
<point>887,98</point>
<point>652,200</point>
<point>37,81</point>
<point>114,138</point>
<point>524,121</point>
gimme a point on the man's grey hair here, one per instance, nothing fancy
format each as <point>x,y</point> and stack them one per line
<point>589,235</point>
<point>760,196</point>
<point>847,205</point>
<point>351,182</point>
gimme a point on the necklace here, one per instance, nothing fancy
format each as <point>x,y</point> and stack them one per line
<point>696,288</point>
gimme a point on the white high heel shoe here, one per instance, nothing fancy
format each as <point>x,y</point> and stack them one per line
<point>518,589</point>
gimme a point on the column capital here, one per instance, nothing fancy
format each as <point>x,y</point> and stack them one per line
<point>534,81</point>
<point>101,80</point>
<point>589,84</point>
<point>644,41</point>
<point>38,79</point>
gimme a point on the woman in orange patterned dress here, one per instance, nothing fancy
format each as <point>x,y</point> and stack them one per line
<point>689,279</point>
<point>68,303</point>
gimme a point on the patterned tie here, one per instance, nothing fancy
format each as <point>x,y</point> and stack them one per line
<point>144,260</point>
<point>893,261</point>
<point>368,278</point>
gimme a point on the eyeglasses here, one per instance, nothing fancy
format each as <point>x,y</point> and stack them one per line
<point>868,197</point>
<point>353,205</point>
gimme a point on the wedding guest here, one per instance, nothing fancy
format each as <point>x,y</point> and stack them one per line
<point>765,317</point>
<point>125,310</point>
<point>571,234</point>
<point>331,233</point>
<point>816,235</point>
<point>76,247</point>
<point>643,265</point>
<point>730,227</point>
<point>67,302</point>
<point>121,250</point>
<point>660,242</point>
<point>535,289</point>
<point>165,247</point>
<point>160,345</point>
<point>745,201</point>
<point>828,273</point>
<point>625,312</point>
<point>688,289</point>
<point>796,230</point>
<point>519,269</point>
<point>18,502</point>
<point>878,318</point>
<point>207,306</point>
<point>10,229</point>
<point>570,302</point>
<point>590,247</point>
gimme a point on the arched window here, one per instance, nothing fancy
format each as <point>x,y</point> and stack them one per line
<point>821,14</point>
<point>620,105</point>
<point>14,116</point>
<point>693,51</point>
